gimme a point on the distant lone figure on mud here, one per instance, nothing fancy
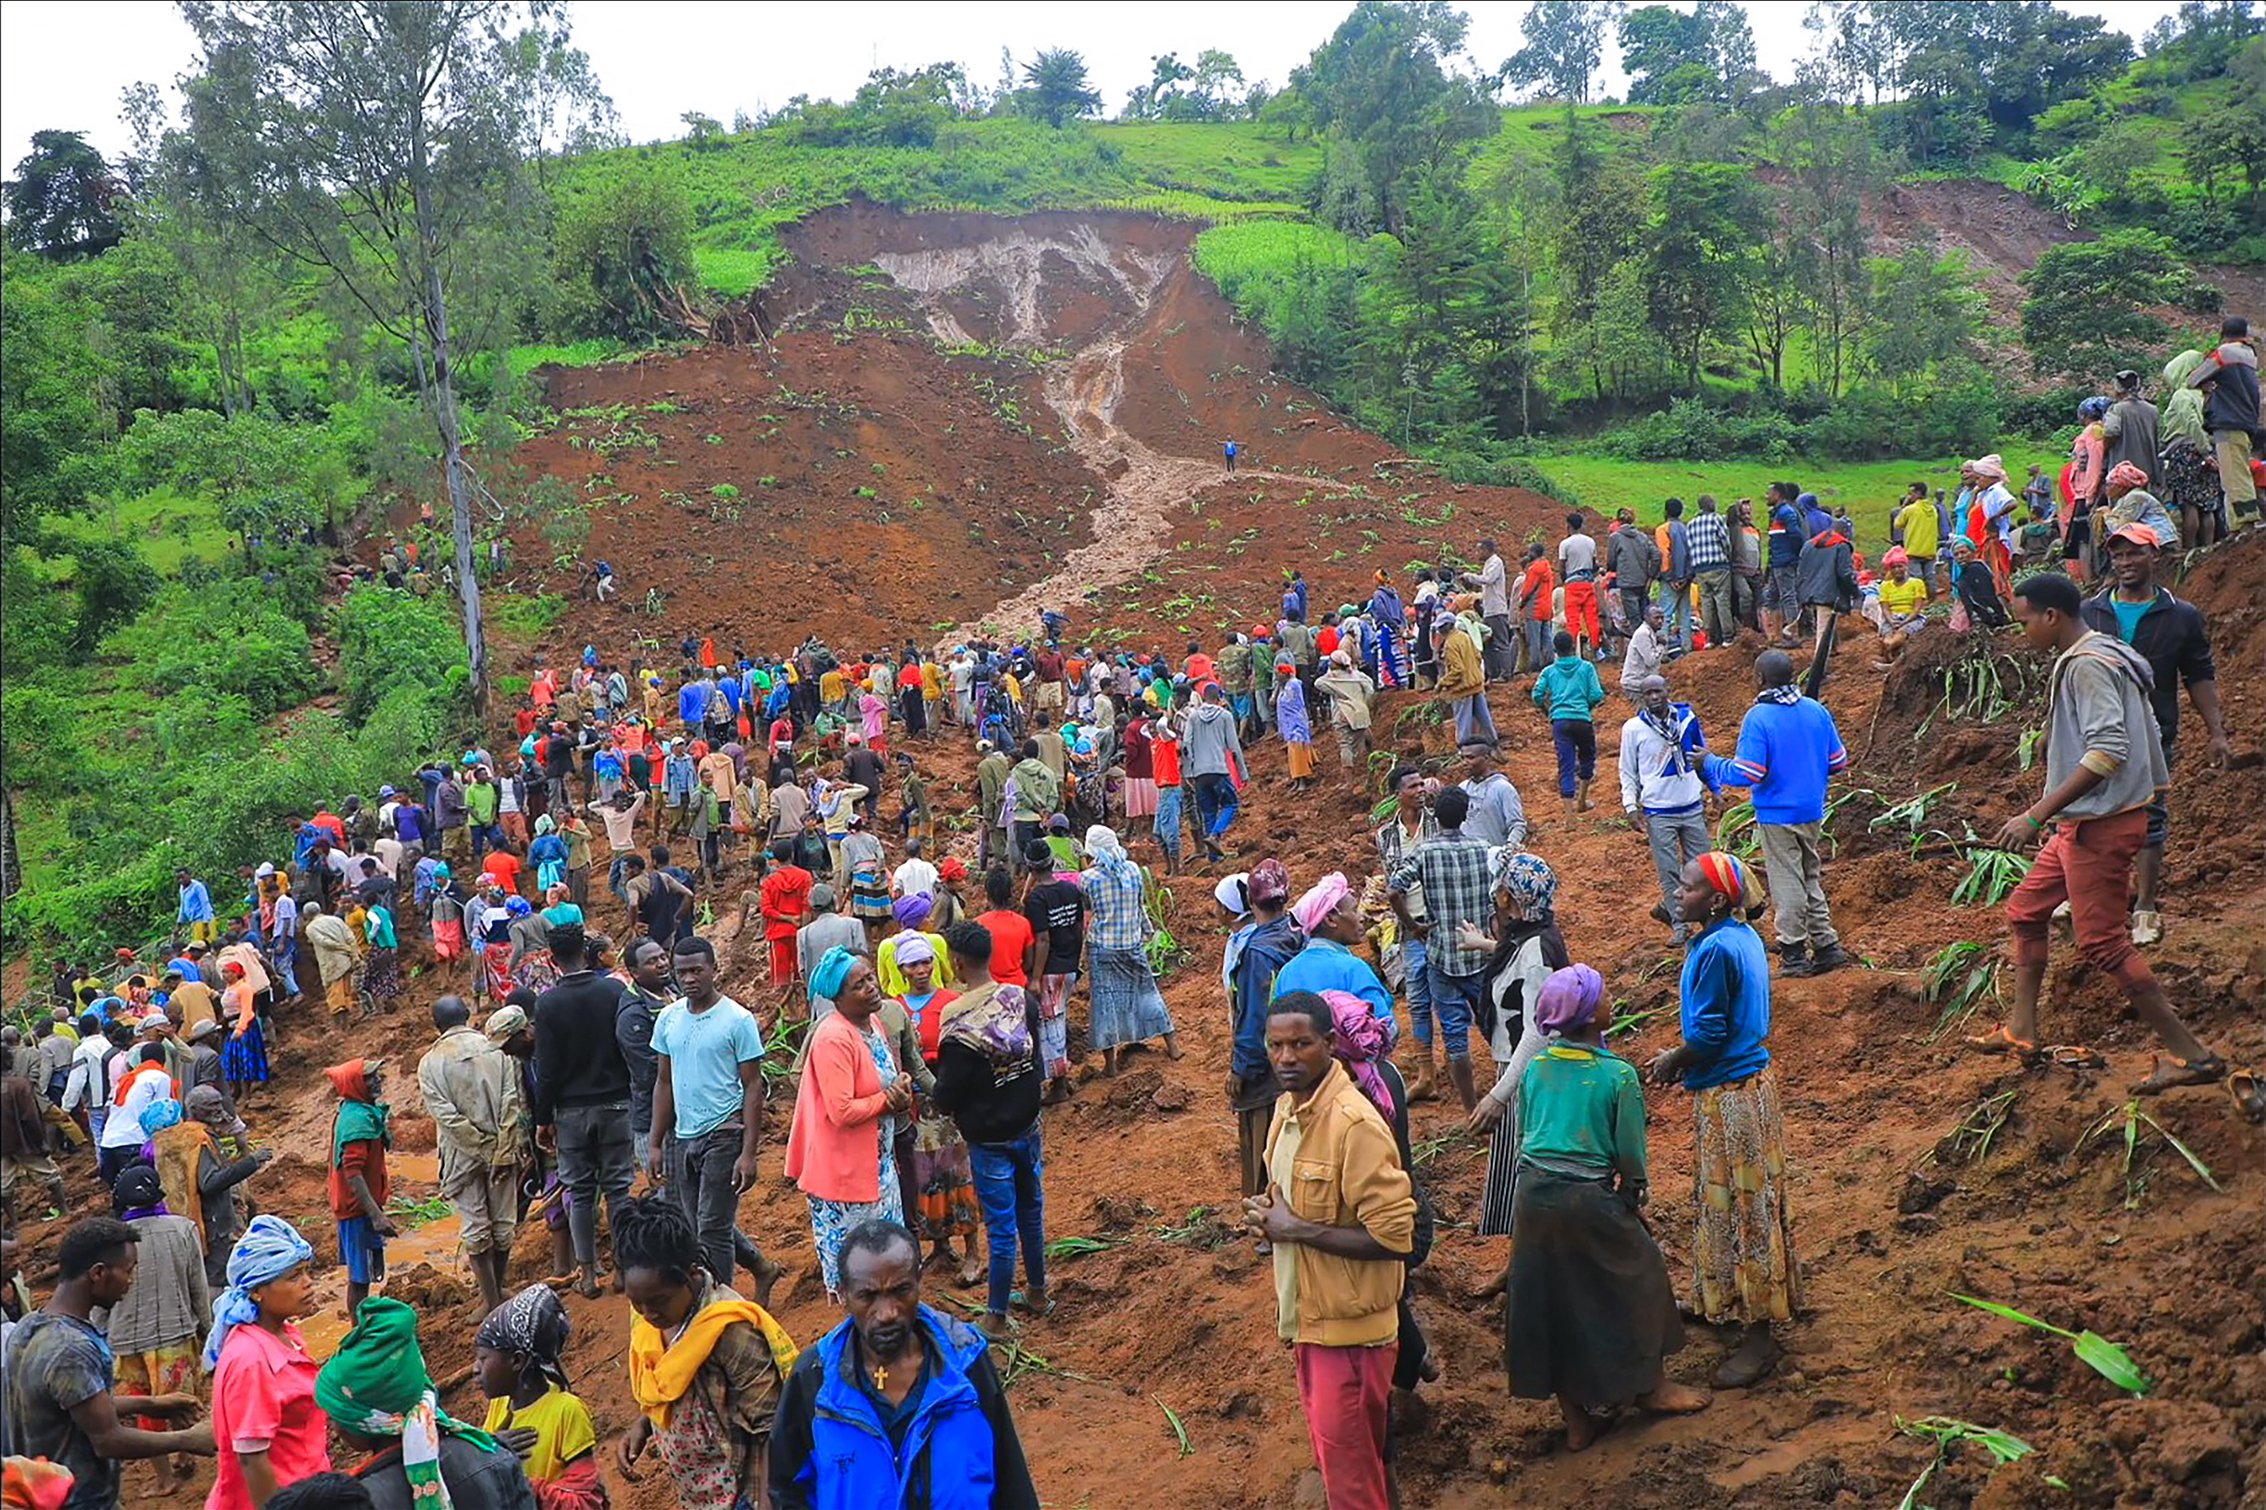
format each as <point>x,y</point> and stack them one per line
<point>1229,448</point>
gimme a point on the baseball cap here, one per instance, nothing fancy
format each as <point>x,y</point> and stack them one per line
<point>2138,534</point>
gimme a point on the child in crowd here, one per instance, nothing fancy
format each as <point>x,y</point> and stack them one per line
<point>516,1356</point>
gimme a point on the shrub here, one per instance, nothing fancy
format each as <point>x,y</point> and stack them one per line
<point>226,642</point>
<point>388,639</point>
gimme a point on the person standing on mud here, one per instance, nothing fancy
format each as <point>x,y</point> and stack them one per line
<point>1229,448</point>
<point>1215,765</point>
<point>1788,751</point>
<point>1492,584</point>
<point>1337,1283</point>
<point>2104,765</point>
<point>2170,635</point>
<point>581,1098</point>
<point>1664,789</point>
<point>472,1092</point>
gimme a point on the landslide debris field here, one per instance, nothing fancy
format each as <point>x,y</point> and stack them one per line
<point>963,418</point>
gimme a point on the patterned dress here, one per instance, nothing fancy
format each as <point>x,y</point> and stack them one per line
<point>831,1221</point>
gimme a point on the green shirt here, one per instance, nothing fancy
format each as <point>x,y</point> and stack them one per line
<point>480,802</point>
<point>1568,688</point>
<point>1581,1112</point>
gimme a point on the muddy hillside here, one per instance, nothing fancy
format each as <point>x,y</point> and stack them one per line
<point>964,419</point>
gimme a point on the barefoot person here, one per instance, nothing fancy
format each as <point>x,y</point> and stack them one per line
<point>2104,764</point>
<point>1743,1264</point>
<point>1591,1312</point>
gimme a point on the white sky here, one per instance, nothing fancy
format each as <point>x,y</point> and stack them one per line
<point>63,63</point>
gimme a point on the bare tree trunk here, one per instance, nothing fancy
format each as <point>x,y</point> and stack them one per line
<point>442,394</point>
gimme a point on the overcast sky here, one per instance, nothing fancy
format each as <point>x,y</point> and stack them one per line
<point>63,63</point>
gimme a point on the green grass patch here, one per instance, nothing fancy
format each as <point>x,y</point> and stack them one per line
<point>167,527</point>
<point>733,271</point>
<point>523,616</point>
<point>1870,488</point>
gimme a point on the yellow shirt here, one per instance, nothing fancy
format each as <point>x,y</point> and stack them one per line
<point>561,1423</point>
<point>1918,522</point>
<point>1903,598</point>
<point>830,686</point>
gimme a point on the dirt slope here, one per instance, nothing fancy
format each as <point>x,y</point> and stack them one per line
<point>1126,520</point>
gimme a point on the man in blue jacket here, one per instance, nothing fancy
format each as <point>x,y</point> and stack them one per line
<point>899,1406</point>
<point>1788,748</point>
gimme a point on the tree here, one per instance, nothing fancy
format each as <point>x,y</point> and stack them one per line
<point>1056,90</point>
<point>1926,312</point>
<point>2089,309</point>
<point>1166,74</point>
<point>1677,59</point>
<point>1565,43</point>
<point>1377,85</point>
<point>622,244</point>
<point>1697,253</point>
<point>52,430</point>
<point>64,200</point>
<point>385,143</point>
<point>1827,156</point>
<point>702,132</point>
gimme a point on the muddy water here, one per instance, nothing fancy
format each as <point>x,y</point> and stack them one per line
<point>1132,524</point>
<point>415,1177</point>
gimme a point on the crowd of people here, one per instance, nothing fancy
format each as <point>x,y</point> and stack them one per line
<point>927,992</point>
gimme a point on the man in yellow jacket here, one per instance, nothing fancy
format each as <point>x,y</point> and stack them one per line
<point>1341,1214</point>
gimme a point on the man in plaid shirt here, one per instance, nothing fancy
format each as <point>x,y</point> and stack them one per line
<point>1451,868</point>
<point>1709,536</point>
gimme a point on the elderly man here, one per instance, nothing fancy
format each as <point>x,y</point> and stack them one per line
<point>337,954</point>
<point>472,1092</point>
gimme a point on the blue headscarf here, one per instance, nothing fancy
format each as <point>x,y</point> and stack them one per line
<point>831,973</point>
<point>159,1115</point>
<point>269,1249</point>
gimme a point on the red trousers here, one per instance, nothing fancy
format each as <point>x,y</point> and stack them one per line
<point>1581,611</point>
<point>2091,865</point>
<point>783,960</point>
<point>1345,1391</point>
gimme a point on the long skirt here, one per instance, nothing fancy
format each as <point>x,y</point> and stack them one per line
<point>495,965</point>
<point>245,1060</point>
<point>1300,759</point>
<point>381,977</point>
<point>869,895</point>
<point>1591,1312</point>
<point>940,1174</point>
<point>1497,1206</point>
<point>1140,797</point>
<point>535,970</point>
<point>1054,1024</point>
<point>914,709</point>
<point>1127,1006</point>
<point>831,1221</point>
<point>168,1370</point>
<point>1743,1264</point>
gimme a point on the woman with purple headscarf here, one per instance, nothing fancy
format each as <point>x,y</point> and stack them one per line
<point>1591,1313</point>
<point>912,915</point>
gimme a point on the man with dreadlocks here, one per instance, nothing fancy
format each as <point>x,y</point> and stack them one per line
<point>516,1357</point>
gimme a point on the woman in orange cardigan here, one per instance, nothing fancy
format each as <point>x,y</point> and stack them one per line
<point>841,1151</point>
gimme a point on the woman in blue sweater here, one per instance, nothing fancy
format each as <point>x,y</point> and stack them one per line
<point>1743,1240</point>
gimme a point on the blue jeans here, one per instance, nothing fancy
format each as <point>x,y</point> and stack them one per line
<point>1009,1184</point>
<point>1456,999</point>
<point>1168,821</point>
<point>1676,609</point>
<point>1416,980</point>
<point>1576,743</point>
<point>1215,804</point>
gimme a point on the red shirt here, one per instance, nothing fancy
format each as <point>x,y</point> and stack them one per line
<point>1011,939</point>
<point>1164,759</point>
<point>504,866</point>
<point>263,1390</point>
<point>366,1158</point>
<point>911,675</point>
<point>785,897</point>
<point>1541,580</point>
<point>782,734</point>
<point>1326,641</point>
<point>1200,668</point>
<point>1050,665</point>
<point>330,823</point>
<point>524,722</point>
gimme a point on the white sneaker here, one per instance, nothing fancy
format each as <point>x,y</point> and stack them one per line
<point>2147,928</point>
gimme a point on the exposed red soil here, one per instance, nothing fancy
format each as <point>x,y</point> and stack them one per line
<point>1889,1217</point>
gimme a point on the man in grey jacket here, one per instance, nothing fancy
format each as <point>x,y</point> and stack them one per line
<point>1634,561</point>
<point>1492,583</point>
<point>2104,763</point>
<point>1209,750</point>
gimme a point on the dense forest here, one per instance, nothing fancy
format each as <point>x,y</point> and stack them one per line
<point>283,314</point>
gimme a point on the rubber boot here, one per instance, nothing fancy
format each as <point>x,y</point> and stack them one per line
<point>1831,957</point>
<point>1793,961</point>
<point>1426,1084</point>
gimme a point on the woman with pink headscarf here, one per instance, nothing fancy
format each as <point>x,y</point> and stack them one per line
<point>1591,1314</point>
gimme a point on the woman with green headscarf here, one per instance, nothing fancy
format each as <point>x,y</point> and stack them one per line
<point>841,1152</point>
<point>2189,468</point>
<point>380,1398</point>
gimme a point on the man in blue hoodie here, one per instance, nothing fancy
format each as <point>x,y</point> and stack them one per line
<point>899,1405</point>
<point>1788,748</point>
<point>1781,599</point>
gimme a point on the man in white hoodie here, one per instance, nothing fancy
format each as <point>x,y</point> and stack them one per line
<point>1664,787</point>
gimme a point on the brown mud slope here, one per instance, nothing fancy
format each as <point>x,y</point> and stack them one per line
<point>1894,1205</point>
<point>2002,234</point>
